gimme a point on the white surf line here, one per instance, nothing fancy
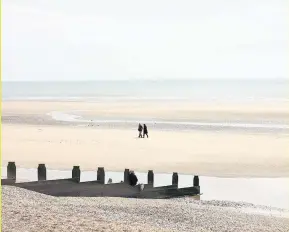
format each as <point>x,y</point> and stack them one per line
<point>61,116</point>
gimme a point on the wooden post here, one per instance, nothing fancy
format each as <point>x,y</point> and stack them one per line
<point>76,173</point>
<point>197,184</point>
<point>196,181</point>
<point>100,175</point>
<point>126,176</point>
<point>41,172</point>
<point>11,171</point>
<point>151,177</point>
<point>175,179</point>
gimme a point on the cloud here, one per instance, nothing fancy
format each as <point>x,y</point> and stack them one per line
<point>70,40</point>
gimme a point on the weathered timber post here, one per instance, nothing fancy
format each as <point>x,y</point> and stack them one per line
<point>196,181</point>
<point>11,171</point>
<point>41,172</point>
<point>76,174</point>
<point>151,177</point>
<point>175,179</point>
<point>100,175</point>
<point>126,176</point>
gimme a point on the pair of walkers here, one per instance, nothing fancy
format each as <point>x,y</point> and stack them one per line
<point>142,130</point>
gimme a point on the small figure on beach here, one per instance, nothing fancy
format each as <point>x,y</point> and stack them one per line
<point>132,179</point>
<point>145,131</point>
<point>140,130</point>
<point>109,181</point>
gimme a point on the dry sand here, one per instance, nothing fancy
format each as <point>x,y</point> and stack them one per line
<point>213,153</point>
<point>203,153</point>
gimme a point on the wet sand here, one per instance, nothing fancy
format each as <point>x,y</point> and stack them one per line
<point>166,110</point>
<point>37,138</point>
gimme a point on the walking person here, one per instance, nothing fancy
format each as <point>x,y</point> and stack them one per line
<point>140,130</point>
<point>145,131</point>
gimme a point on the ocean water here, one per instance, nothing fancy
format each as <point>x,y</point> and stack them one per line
<point>199,90</point>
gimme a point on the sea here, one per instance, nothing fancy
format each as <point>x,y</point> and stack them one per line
<point>225,90</point>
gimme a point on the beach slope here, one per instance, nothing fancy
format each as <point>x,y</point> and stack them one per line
<point>23,210</point>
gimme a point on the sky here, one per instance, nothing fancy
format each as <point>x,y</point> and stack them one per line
<point>160,39</point>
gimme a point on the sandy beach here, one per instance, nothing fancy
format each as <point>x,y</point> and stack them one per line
<point>40,139</point>
<point>207,80</point>
<point>205,153</point>
<point>33,132</point>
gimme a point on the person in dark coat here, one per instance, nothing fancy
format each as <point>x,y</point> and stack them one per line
<point>140,130</point>
<point>132,179</point>
<point>145,131</point>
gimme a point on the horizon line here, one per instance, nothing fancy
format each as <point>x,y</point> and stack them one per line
<point>161,79</point>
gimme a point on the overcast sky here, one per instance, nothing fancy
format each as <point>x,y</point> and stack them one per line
<point>93,40</point>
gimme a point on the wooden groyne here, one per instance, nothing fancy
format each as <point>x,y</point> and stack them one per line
<point>73,187</point>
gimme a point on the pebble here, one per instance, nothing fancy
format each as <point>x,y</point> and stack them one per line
<point>23,210</point>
